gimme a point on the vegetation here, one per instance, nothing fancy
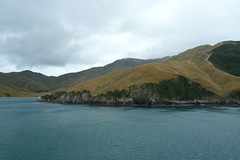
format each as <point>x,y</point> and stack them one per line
<point>54,96</point>
<point>180,89</point>
<point>117,94</point>
<point>235,94</point>
<point>227,58</point>
<point>69,96</point>
<point>17,80</point>
<point>8,90</point>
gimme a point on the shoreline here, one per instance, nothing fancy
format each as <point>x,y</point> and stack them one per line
<point>158,104</point>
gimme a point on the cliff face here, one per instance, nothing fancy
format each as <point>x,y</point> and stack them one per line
<point>143,99</point>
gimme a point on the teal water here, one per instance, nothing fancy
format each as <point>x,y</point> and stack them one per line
<point>31,130</point>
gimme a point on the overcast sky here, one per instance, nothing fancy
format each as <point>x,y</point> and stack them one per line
<point>59,36</point>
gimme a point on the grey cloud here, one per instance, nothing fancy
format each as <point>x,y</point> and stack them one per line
<point>91,13</point>
<point>40,46</point>
<point>60,33</point>
<point>40,33</point>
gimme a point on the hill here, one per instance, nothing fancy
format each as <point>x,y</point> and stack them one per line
<point>127,77</point>
<point>192,64</point>
<point>37,82</point>
<point>18,79</point>
<point>7,90</point>
<point>70,79</point>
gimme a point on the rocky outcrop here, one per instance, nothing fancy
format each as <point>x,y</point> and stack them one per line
<point>142,100</point>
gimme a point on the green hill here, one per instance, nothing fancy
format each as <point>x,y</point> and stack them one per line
<point>20,81</point>
<point>226,57</point>
<point>8,90</point>
<point>180,88</point>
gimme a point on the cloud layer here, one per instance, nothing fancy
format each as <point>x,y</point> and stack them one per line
<point>59,36</point>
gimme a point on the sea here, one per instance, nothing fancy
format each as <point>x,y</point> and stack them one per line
<point>31,130</point>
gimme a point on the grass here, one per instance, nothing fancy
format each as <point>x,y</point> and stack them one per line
<point>7,90</point>
<point>227,58</point>
<point>153,72</point>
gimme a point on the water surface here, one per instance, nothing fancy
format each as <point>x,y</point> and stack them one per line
<point>31,130</point>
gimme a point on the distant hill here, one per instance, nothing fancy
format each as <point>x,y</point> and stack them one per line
<point>70,79</point>
<point>226,57</point>
<point>37,82</point>
<point>8,90</point>
<point>18,79</point>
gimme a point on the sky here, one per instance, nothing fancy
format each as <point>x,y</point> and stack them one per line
<point>61,36</point>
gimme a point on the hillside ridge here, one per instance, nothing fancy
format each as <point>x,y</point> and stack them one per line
<point>37,82</point>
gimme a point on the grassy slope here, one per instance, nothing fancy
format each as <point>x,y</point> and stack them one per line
<point>192,64</point>
<point>37,82</point>
<point>71,79</point>
<point>16,79</point>
<point>12,91</point>
<point>127,77</point>
<point>201,71</point>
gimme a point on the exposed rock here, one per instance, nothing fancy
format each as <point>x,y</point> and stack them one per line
<point>142,100</point>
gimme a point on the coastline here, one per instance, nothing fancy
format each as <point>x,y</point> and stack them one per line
<point>153,104</point>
